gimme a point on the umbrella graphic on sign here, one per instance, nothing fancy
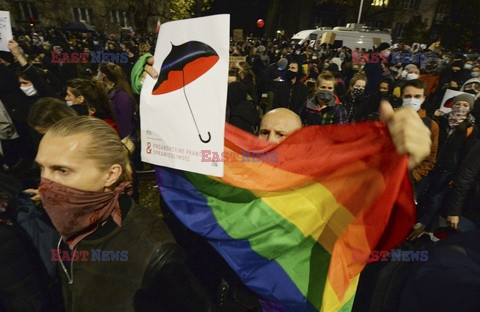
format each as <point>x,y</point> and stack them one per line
<point>183,65</point>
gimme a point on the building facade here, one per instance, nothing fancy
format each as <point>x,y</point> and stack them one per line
<point>104,15</point>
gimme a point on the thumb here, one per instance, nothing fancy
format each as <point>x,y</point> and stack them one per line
<point>386,110</point>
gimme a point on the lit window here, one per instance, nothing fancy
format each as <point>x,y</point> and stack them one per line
<point>379,2</point>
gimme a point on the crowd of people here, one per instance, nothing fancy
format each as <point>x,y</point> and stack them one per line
<point>69,131</point>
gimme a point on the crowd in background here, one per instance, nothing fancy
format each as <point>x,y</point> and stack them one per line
<point>324,86</point>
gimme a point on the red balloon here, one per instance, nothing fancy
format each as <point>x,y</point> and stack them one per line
<point>260,23</point>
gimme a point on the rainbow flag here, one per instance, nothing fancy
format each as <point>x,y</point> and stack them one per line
<point>287,218</point>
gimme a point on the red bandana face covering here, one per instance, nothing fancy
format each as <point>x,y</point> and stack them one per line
<point>75,213</point>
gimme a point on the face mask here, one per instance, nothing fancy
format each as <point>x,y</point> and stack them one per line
<point>310,85</point>
<point>468,66</point>
<point>471,91</point>
<point>297,52</point>
<point>69,103</point>
<point>413,102</point>
<point>277,51</point>
<point>82,213</point>
<point>325,96</point>
<point>412,76</point>
<point>314,57</point>
<point>291,74</point>
<point>457,115</point>
<point>358,92</point>
<point>29,91</point>
<point>95,42</point>
<point>474,74</point>
<point>35,41</point>
<point>404,74</point>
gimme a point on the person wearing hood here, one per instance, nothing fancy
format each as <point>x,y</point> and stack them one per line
<point>457,134</point>
<point>291,93</point>
<point>472,86</point>
<point>413,95</point>
<point>321,108</point>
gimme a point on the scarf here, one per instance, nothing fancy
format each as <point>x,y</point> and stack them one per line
<point>76,213</point>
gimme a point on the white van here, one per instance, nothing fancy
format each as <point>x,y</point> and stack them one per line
<point>350,36</point>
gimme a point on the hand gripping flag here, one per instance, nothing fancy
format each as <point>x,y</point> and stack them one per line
<point>288,217</point>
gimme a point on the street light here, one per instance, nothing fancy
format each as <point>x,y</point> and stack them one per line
<point>360,12</point>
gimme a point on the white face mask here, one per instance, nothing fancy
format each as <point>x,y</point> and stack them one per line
<point>412,76</point>
<point>69,103</point>
<point>29,91</point>
<point>404,74</point>
<point>413,102</point>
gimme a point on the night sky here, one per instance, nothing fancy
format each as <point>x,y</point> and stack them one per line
<point>243,13</point>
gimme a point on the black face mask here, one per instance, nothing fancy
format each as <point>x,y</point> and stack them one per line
<point>358,92</point>
<point>290,74</point>
<point>471,91</point>
<point>310,85</point>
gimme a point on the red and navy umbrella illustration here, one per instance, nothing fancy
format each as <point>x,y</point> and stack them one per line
<point>183,65</point>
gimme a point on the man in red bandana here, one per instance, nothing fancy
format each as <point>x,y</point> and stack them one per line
<point>113,255</point>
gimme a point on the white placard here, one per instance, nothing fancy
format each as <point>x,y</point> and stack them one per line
<point>5,30</point>
<point>182,112</point>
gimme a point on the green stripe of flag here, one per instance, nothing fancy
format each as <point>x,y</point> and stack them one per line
<point>244,216</point>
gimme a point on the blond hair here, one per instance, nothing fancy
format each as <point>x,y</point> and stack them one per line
<point>326,76</point>
<point>104,145</point>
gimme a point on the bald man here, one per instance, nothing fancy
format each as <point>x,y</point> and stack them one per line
<point>277,124</point>
<point>408,133</point>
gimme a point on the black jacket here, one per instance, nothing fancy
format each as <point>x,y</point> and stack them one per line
<point>454,146</point>
<point>465,194</point>
<point>149,275</point>
<point>290,96</point>
<point>24,282</point>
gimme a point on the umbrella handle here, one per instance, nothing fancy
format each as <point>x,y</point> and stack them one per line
<point>207,140</point>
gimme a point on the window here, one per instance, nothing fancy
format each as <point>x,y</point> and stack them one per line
<point>119,18</point>
<point>84,15</point>
<point>411,4</point>
<point>27,10</point>
<point>379,2</point>
<point>399,29</point>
